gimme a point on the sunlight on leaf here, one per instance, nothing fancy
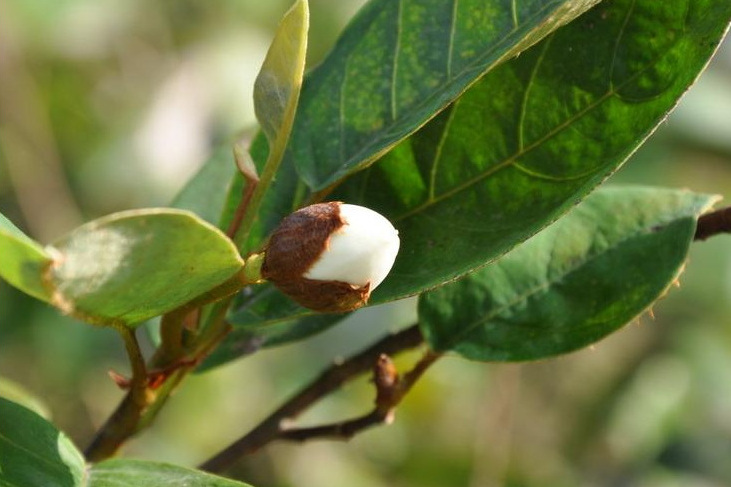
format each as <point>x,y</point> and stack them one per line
<point>134,265</point>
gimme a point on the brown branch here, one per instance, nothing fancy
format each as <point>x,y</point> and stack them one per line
<point>713,223</point>
<point>271,428</point>
<point>390,390</point>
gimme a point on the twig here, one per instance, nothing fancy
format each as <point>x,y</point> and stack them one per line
<point>136,360</point>
<point>331,379</point>
<point>713,223</point>
<point>126,416</point>
<point>150,388</point>
<point>390,390</point>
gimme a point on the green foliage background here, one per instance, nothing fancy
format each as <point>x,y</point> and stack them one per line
<point>110,105</point>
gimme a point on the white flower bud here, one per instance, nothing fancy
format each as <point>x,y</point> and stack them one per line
<point>330,256</point>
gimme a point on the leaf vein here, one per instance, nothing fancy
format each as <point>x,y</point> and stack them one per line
<point>376,141</point>
<point>396,49</point>
<point>620,35</point>
<point>510,161</point>
<point>527,91</point>
<point>452,32</point>
<point>438,153</point>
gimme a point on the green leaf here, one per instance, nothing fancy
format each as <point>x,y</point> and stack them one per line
<point>134,265</point>
<point>33,453</point>
<point>123,473</point>
<point>277,87</point>
<point>22,261</point>
<point>276,95</point>
<point>397,64</point>
<point>582,278</point>
<point>205,193</point>
<point>534,136</point>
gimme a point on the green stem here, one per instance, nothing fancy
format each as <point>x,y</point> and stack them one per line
<point>143,401</point>
<point>136,360</point>
<point>125,418</point>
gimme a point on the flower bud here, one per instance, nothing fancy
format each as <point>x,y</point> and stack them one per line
<point>330,256</point>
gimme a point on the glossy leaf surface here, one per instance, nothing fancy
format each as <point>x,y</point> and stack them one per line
<point>132,266</point>
<point>33,453</point>
<point>22,260</point>
<point>582,278</point>
<point>400,62</point>
<point>534,136</point>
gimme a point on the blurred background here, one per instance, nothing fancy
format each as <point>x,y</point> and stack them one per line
<point>107,105</point>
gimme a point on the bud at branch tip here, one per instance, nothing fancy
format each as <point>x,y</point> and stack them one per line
<point>330,256</point>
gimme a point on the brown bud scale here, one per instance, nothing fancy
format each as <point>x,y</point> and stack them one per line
<point>299,241</point>
<point>296,244</point>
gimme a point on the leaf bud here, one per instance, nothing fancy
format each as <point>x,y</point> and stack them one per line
<point>329,257</point>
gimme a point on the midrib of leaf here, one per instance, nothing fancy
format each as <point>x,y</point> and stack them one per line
<point>451,81</point>
<point>438,153</point>
<point>614,89</point>
<point>555,279</point>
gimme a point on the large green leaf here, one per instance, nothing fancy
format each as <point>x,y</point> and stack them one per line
<point>582,278</point>
<point>397,64</point>
<point>534,136</point>
<point>33,453</point>
<point>128,473</point>
<point>22,260</point>
<point>134,265</point>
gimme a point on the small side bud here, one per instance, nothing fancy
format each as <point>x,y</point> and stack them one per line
<point>330,256</point>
